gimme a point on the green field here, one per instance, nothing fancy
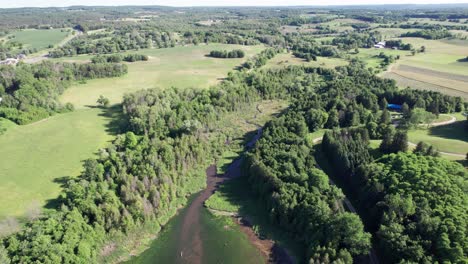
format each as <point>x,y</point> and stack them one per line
<point>180,67</point>
<point>40,39</point>
<point>370,56</point>
<point>35,156</point>
<point>286,59</point>
<point>450,138</point>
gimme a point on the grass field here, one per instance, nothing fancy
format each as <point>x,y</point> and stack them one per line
<point>286,59</point>
<point>450,138</point>
<point>40,39</point>
<point>370,56</point>
<point>180,67</point>
<point>35,156</point>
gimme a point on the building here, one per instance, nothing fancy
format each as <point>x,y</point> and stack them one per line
<point>380,45</point>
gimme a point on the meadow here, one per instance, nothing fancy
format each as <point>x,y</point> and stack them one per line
<point>40,38</point>
<point>286,59</point>
<point>39,156</point>
<point>450,138</point>
<point>183,67</point>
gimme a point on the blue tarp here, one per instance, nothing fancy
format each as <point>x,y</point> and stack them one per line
<point>394,106</point>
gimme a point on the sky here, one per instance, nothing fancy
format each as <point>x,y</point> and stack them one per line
<point>48,3</point>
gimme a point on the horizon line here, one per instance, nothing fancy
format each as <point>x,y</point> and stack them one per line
<point>232,6</point>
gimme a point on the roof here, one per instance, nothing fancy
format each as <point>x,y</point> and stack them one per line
<point>394,106</point>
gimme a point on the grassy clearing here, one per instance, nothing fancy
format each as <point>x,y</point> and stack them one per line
<point>370,56</point>
<point>40,38</point>
<point>286,59</point>
<point>37,158</point>
<point>179,67</point>
<point>450,138</point>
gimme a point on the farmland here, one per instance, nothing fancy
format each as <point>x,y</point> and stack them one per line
<point>441,68</point>
<point>40,39</point>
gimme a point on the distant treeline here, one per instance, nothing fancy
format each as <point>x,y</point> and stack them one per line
<point>428,34</point>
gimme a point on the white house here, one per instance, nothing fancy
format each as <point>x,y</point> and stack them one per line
<point>380,45</point>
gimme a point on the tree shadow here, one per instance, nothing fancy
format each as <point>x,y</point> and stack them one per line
<point>117,122</point>
<point>55,203</point>
<point>456,131</point>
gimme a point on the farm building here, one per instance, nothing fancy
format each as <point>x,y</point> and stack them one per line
<point>380,45</point>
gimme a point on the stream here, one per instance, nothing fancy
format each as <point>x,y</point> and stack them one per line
<point>195,235</point>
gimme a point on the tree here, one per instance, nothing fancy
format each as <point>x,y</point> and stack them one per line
<point>316,119</point>
<point>385,117</point>
<point>333,120</point>
<point>405,110</point>
<point>103,101</point>
<point>400,142</point>
<point>420,116</point>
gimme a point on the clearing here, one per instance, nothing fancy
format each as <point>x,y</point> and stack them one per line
<point>286,59</point>
<point>179,67</point>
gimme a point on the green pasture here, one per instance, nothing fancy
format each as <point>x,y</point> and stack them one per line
<point>36,158</point>
<point>370,56</point>
<point>450,138</point>
<point>40,38</point>
<point>179,67</point>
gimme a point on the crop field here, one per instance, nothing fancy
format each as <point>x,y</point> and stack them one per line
<point>54,148</point>
<point>286,59</point>
<point>36,156</point>
<point>441,68</point>
<point>179,67</point>
<point>40,39</point>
